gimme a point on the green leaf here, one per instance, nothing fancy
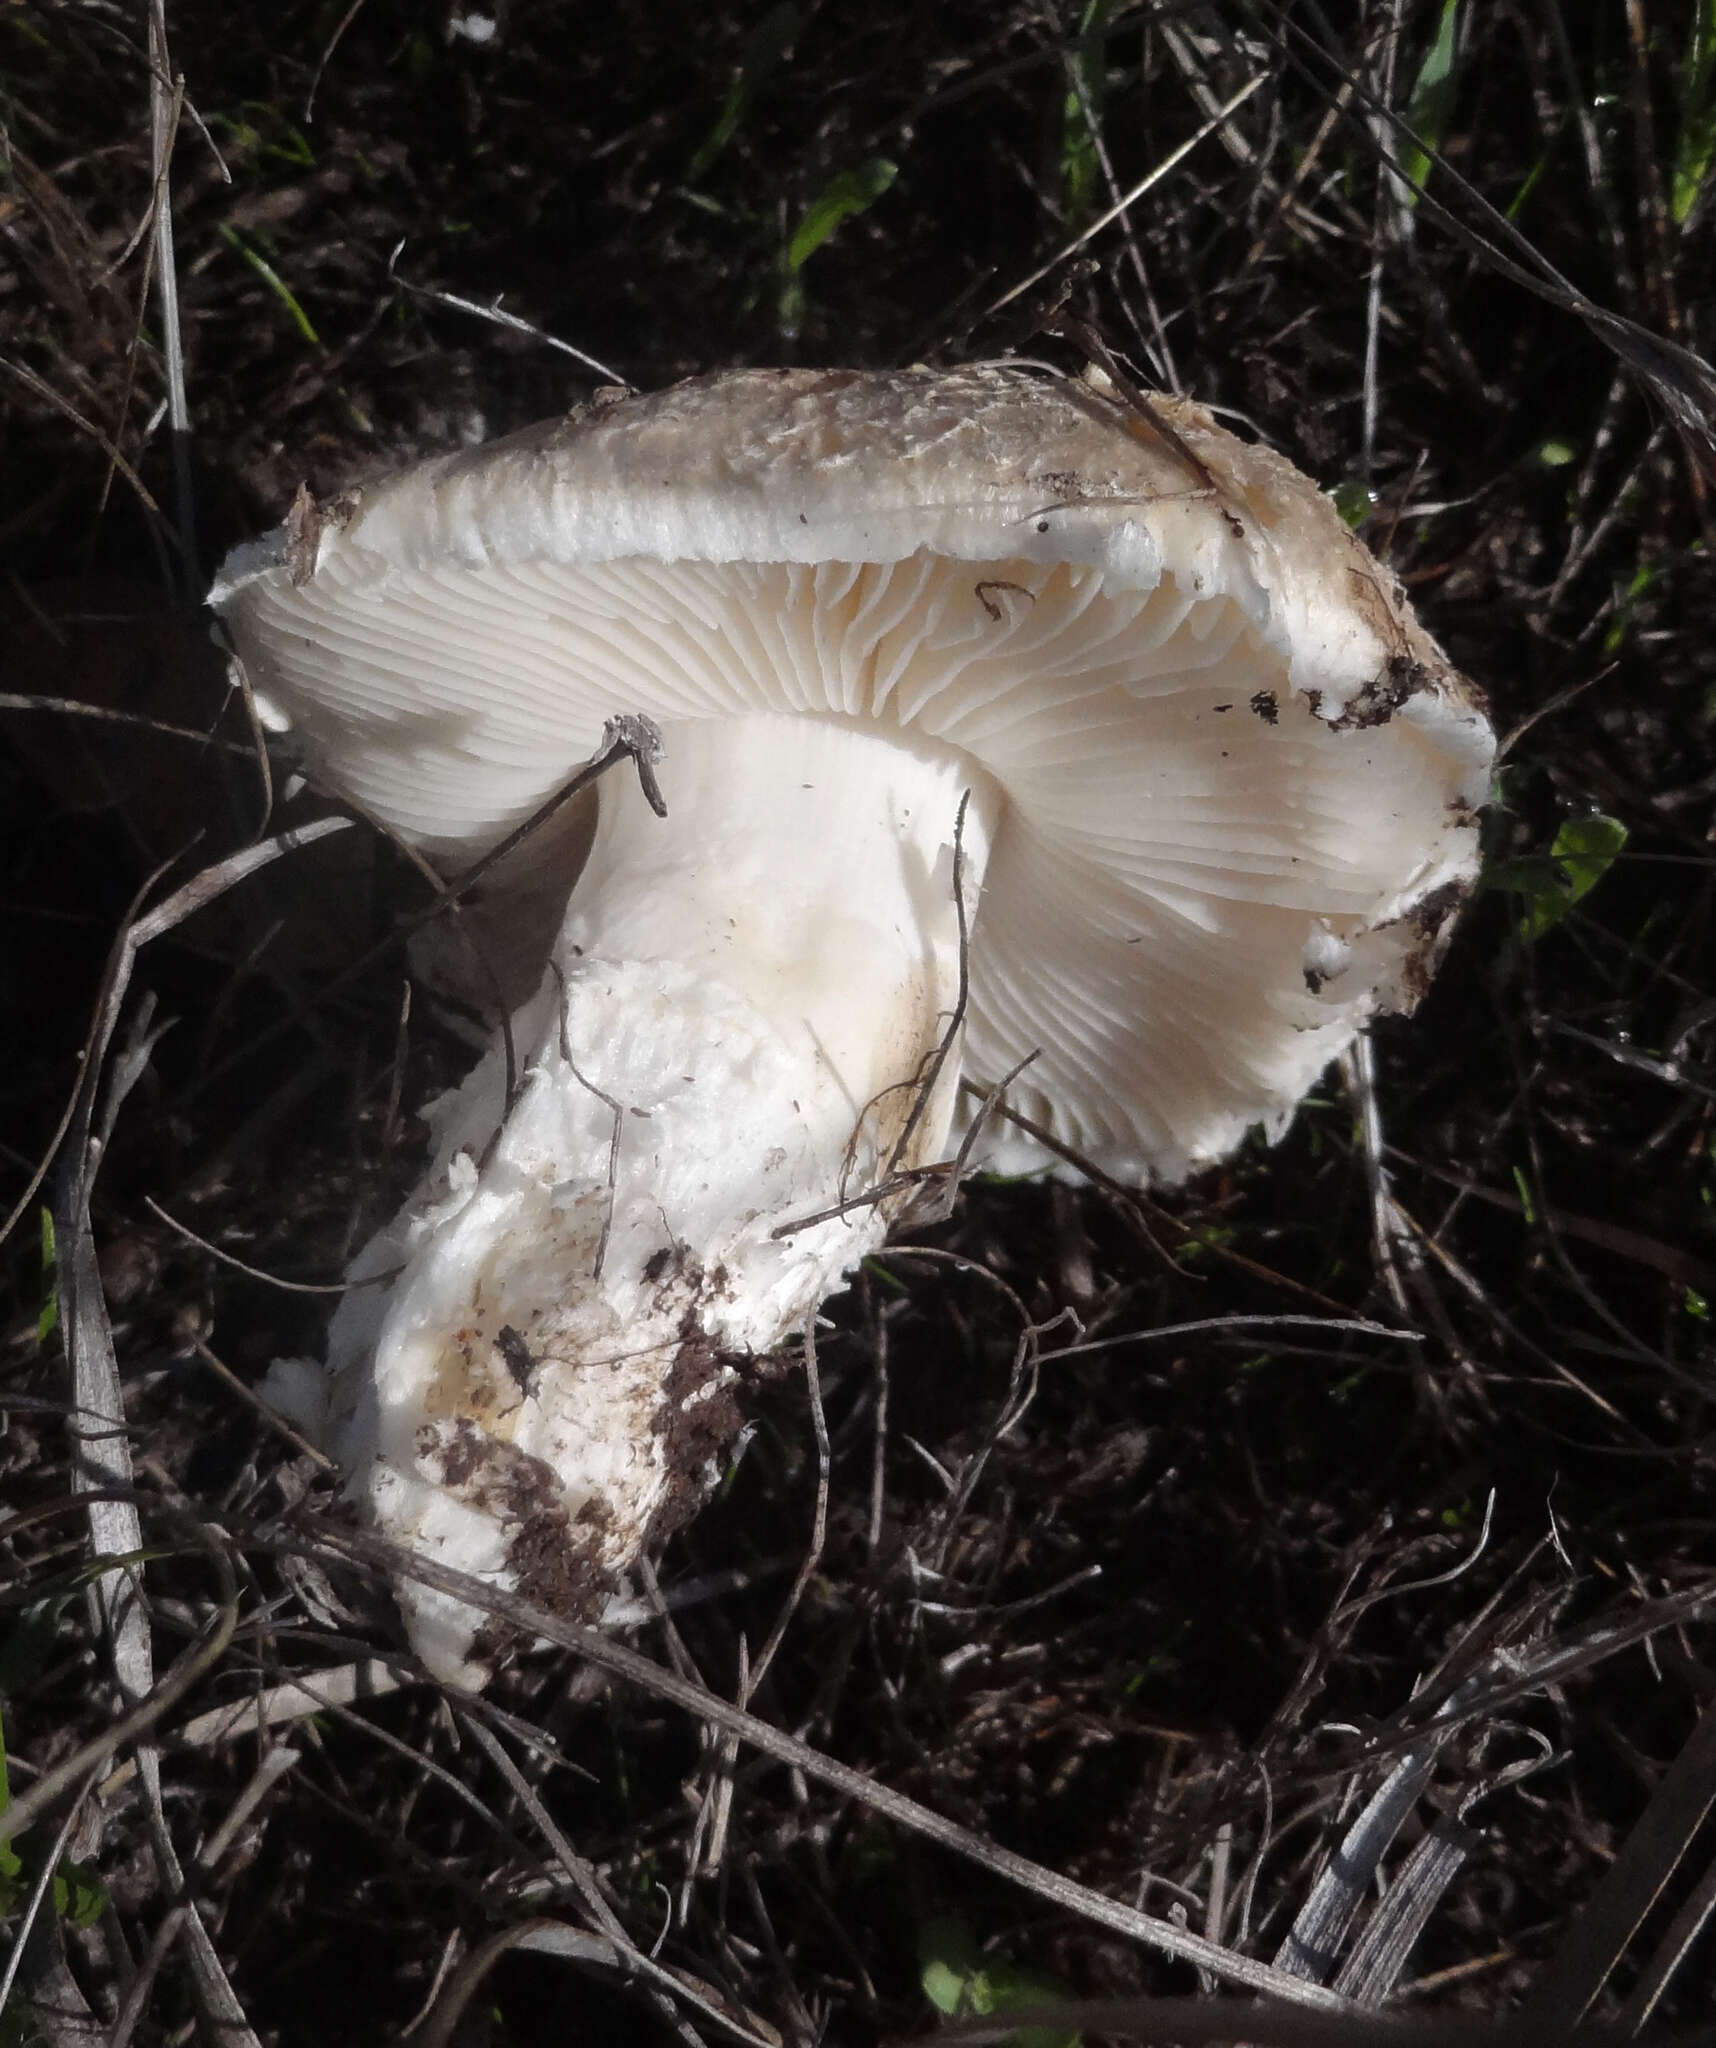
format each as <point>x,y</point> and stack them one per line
<point>80,1898</point>
<point>841,200</point>
<point>1353,501</point>
<point>47,1317</point>
<point>1697,150</point>
<point>962,1982</point>
<point>766,45</point>
<point>944,1985</point>
<point>1432,98</point>
<point>1583,852</point>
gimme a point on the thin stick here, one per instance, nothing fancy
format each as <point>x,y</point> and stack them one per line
<point>328,48</point>
<point>819,1516</point>
<point>38,1892</point>
<point>1357,1326</point>
<point>1359,1072</point>
<point>49,396</point>
<point>879,1454</point>
<point>250,1272</point>
<point>664,1986</point>
<point>139,929</point>
<point>1218,2023</point>
<point>68,707</point>
<point>608,1101</point>
<point>271,1416</point>
<point>1170,162</point>
<point>494,313</point>
<point>955,1023</point>
<point>751,1675</point>
<point>1134,1205</point>
<point>628,736</point>
<point>895,1178</point>
<point>1139,402</point>
<point>190,1669</point>
<point>363,1547</point>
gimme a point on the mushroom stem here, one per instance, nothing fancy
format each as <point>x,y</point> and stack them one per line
<point>743,1007</point>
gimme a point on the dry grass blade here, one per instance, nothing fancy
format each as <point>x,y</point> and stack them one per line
<point>1679,379</point>
<point>67,707</point>
<point>720,1797</point>
<point>1599,1933</point>
<point>103,1471</point>
<point>225,2016</point>
<point>139,929</point>
<point>1664,1965</point>
<point>1209,2023</point>
<point>102,1468</point>
<point>542,1936</point>
<point>620,1662</point>
<point>627,737</point>
<point>191,1667</point>
<point>665,1990</point>
<point>345,1685</point>
<point>165,95</point>
<point>40,388</point>
<point>1373,1967</point>
<point>499,317</point>
<point>441,2024</point>
<point>1313,1944</point>
<point>1217,121</point>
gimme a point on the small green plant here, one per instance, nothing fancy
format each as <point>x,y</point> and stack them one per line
<point>842,199</point>
<point>1695,145</point>
<point>1583,852</point>
<point>78,1897</point>
<point>259,130</point>
<point>964,1983</point>
<point>1353,501</point>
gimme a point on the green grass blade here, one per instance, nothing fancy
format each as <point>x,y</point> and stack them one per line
<point>765,47</point>
<point>1432,98</point>
<point>275,283</point>
<point>48,1315</point>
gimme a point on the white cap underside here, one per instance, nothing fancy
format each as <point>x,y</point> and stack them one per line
<point>1170,858</point>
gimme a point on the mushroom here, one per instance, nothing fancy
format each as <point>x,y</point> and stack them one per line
<point>1005,717</point>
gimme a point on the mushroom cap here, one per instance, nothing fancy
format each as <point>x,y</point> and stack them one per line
<point>1240,778</point>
